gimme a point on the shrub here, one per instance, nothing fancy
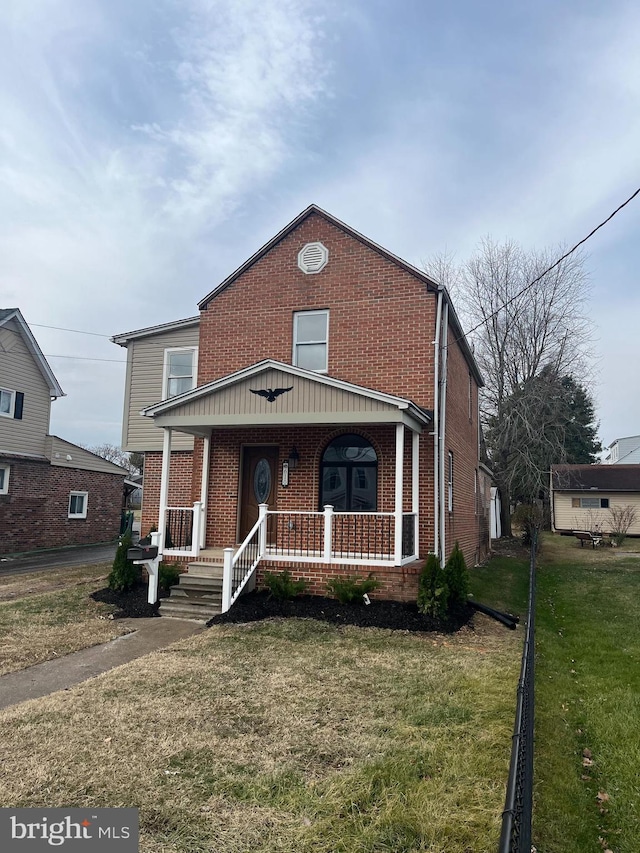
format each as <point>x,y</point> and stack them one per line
<point>124,574</point>
<point>168,575</point>
<point>349,590</point>
<point>456,577</point>
<point>281,585</point>
<point>622,517</point>
<point>528,517</point>
<point>433,592</point>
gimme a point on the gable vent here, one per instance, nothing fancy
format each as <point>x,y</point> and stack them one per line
<point>313,258</point>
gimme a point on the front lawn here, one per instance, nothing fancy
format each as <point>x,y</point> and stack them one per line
<point>45,615</point>
<point>285,735</point>
<point>587,792</point>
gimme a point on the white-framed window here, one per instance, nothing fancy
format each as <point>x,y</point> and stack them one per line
<point>7,403</point>
<point>450,483</point>
<point>180,369</point>
<point>311,339</point>
<point>4,479</point>
<point>590,503</point>
<point>78,504</point>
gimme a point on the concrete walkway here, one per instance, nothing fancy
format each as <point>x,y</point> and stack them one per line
<point>63,673</point>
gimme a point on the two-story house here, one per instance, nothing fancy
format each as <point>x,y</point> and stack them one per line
<point>52,493</point>
<point>320,414</point>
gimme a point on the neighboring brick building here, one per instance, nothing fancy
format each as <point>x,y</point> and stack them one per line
<point>52,492</point>
<point>325,371</point>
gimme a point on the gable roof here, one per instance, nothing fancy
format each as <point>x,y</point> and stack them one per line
<point>604,478</point>
<point>385,253</point>
<point>7,314</point>
<point>210,405</point>
<point>124,338</point>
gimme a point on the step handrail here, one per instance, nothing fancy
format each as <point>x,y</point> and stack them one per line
<point>231,559</point>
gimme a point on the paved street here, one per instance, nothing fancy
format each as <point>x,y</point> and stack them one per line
<point>56,559</point>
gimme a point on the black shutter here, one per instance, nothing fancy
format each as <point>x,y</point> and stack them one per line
<point>17,411</point>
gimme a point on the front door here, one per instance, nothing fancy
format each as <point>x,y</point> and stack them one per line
<point>259,466</point>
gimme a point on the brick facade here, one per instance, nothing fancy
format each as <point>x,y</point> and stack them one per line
<point>382,324</point>
<point>34,513</point>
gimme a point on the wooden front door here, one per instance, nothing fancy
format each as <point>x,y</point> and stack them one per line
<point>259,469</point>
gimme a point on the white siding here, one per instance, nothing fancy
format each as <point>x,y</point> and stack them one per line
<point>19,372</point>
<point>567,517</point>
<point>145,367</point>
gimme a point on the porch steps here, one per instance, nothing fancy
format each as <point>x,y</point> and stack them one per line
<point>197,595</point>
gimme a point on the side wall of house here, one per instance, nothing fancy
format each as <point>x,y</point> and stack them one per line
<point>34,512</point>
<point>19,372</point>
<point>567,517</point>
<point>145,371</point>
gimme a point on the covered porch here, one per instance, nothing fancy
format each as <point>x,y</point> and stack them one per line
<point>286,458</point>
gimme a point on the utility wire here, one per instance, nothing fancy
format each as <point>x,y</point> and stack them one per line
<point>86,358</point>
<point>553,266</point>
<point>77,331</point>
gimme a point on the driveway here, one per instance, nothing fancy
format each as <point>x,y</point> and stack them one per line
<point>61,557</point>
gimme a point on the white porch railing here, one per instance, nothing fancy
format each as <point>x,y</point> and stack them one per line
<point>342,538</point>
<point>183,527</point>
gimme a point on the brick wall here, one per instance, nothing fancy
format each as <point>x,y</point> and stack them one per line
<point>181,488</point>
<point>34,514</point>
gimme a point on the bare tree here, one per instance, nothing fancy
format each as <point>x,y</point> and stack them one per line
<point>525,339</point>
<point>114,454</point>
<point>621,520</point>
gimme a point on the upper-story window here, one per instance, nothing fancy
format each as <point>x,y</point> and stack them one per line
<point>310,340</point>
<point>7,402</point>
<point>180,366</point>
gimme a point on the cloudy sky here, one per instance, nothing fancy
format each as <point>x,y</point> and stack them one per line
<point>148,148</point>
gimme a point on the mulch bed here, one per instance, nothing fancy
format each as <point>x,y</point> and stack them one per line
<point>131,604</point>
<point>399,616</point>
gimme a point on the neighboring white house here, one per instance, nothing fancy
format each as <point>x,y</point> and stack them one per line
<point>623,451</point>
<point>584,496</point>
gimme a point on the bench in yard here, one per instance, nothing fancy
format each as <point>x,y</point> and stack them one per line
<point>585,536</point>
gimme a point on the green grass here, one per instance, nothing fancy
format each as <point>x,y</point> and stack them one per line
<point>284,736</point>
<point>588,697</point>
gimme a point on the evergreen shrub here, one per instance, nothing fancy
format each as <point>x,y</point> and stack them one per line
<point>124,574</point>
<point>433,591</point>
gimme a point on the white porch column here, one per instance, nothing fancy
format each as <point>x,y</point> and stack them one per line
<point>399,493</point>
<point>204,487</point>
<point>415,485</point>
<point>164,487</point>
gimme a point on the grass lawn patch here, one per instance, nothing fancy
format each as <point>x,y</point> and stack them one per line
<point>587,792</point>
<point>38,625</point>
<point>285,735</point>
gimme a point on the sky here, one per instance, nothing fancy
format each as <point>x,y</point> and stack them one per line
<point>147,149</point>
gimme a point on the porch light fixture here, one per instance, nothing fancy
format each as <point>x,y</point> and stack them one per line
<point>294,458</point>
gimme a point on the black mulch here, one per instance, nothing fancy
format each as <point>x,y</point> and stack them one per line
<point>396,615</point>
<point>132,604</point>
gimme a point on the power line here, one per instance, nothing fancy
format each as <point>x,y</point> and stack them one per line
<point>554,265</point>
<point>86,358</point>
<point>77,331</point>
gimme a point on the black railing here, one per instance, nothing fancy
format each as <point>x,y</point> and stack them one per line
<point>178,529</point>
<point>296,534</point>
<point>363,536</point>
<point>516,818</point>
<point>408,535</point>
<point>245,562</point>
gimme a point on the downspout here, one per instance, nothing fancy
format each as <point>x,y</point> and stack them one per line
<point>442,426</point>
<point>436,433</point>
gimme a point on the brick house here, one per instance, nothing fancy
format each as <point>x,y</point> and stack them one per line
<point>320,414</point>
<point>52,493</point>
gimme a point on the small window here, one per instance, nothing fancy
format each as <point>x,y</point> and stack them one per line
<point>475,491</point>
<point>4,479</point>
<point>590,503</point>
<point>349,475</point>
<point>310,340</point>
<point>450,483</point>
<point>7,402</point>
<point>78,504</point>
<point>179,370</point>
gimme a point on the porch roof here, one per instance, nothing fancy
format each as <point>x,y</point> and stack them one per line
<point>271,393</point>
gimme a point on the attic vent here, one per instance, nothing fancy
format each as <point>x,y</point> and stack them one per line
<point>313,258</point>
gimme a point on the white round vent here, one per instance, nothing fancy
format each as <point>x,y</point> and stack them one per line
<point>313,258</point>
